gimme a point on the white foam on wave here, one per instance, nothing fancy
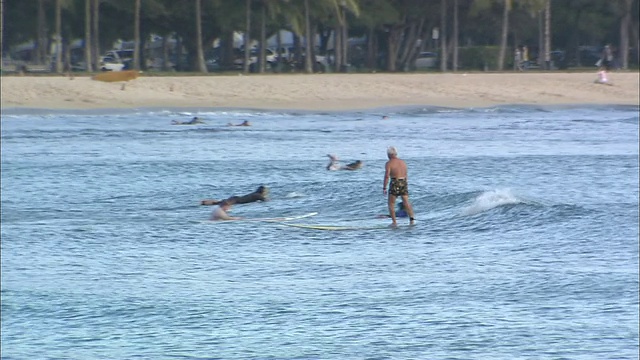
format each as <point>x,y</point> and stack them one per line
<point>491,199</point>
<point>294,194</point>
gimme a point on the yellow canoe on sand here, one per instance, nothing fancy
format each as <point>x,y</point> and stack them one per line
<point>115,76</point>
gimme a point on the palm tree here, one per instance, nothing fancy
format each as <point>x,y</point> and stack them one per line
<point>455,35</point>
<point>247,37</point>
<point>547,35</point>
<point>87,36</point>
<point>58,15</point>
<point>1,28</point>
<point>95,34</point>
<point>41,50</point>
<point>136,36</point>
<point>308,62</point>
<point>342,33</point>
<point>443,35</point>
<point>199,51</point>
<point>263,37</point>
<point>505,34</point>
<point>625,25</point>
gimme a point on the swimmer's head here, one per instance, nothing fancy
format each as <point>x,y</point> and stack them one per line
<point>392,152</point>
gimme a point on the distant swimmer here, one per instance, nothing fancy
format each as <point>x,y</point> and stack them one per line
<point>261,194</point>
<point>196,120</point>
<point>334,163</point>
<point>353,166</point>
<point>220,212</point>
<point>244,123</point>
<point>396,176</point>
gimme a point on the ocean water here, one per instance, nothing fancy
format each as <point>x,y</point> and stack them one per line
<point>526,243</point>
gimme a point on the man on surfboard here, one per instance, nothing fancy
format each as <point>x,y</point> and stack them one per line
<point>396,170</point>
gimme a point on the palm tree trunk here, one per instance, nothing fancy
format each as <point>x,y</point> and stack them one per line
<point>202,67</point>
<point>87,36</point>
<point>42,34</point>
<point>456,25</point>
<point>95,34</point>
<point>505,33</point>
<point>165,52</point>
<point>625,25</point>
<point>279,52</point>
<point>1,28</point>
<point>345,40</point>
<point>443,36</point>
<point>547,35</point>
<point>263,37</point>
<point>247,31</point>
<point>337,48</point>
<point>308,65</point>
<point>58,36</point>
<point>67,56</point>
<point>136,36</point>
<point>634,35</point>
<point>371,49</point>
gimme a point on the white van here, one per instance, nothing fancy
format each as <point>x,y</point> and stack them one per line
<point>115,60</point>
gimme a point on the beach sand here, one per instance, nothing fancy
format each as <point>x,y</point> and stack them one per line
<point>320,91</point>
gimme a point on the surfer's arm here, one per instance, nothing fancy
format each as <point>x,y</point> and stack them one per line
<point>387,170</point>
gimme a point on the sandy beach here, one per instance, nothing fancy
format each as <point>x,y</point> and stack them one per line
<point>320,91</point>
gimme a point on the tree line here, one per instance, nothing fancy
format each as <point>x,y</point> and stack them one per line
<point>467,34</point>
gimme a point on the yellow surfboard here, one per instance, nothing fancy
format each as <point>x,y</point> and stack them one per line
<point>336,228</point>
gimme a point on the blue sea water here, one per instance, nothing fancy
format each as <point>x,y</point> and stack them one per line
<point>526,243</point>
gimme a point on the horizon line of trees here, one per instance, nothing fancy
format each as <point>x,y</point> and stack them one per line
<point>396,31</point>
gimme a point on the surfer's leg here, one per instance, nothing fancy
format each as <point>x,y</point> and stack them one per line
<point>408,208</point>
<point>392,208</point>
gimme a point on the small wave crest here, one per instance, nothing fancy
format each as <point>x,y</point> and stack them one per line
<point>293,195</point>
<point>488,200</point>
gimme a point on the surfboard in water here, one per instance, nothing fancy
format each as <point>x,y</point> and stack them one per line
<point>286,218</point>
<point>265,219</point>
<point>342,228</point>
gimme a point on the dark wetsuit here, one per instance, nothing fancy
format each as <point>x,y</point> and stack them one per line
<point>258,195</point>
<point>398,187</point>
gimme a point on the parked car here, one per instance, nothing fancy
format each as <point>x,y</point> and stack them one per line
<point>426,60</point>
<point>108,63</point>
<point>288,54</point>
<point>270,57</point>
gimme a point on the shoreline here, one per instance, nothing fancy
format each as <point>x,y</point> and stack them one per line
<point>316,92</point>
<point>188,111</point>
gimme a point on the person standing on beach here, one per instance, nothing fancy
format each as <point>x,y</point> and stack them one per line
<point>525,57</point>
<point>517,60</point>
<point>396,171</point>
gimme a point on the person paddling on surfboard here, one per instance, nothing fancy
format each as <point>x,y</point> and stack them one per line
<point>196,120</point>
<point>220,211</point>
<point>396,170</point>
<point>261,194</point>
